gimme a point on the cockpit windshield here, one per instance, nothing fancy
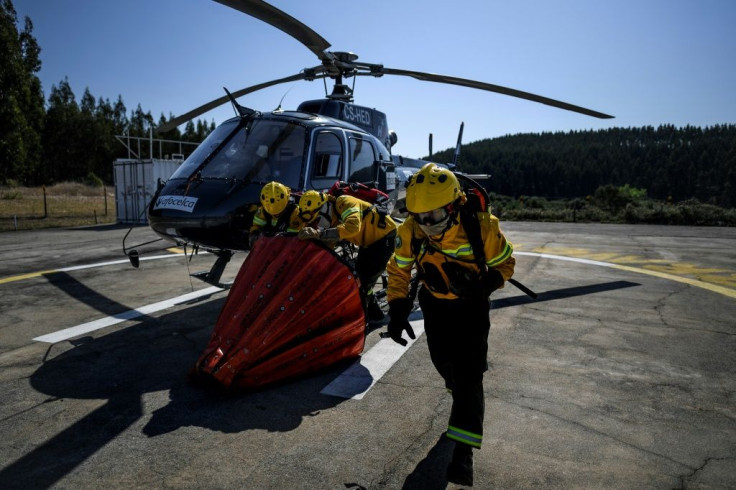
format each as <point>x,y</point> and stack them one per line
<point>210,143</point>
<point>260,151</point>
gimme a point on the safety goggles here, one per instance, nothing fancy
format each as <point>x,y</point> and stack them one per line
<point>431,217</point>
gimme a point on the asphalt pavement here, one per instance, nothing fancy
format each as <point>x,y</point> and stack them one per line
<point>621,374</point>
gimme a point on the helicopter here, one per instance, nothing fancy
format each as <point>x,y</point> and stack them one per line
<point>210,200</point>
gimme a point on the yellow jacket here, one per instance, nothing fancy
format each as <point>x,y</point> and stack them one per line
<point>455,248</point>
<point>261,220</point>
<point>347,217</point>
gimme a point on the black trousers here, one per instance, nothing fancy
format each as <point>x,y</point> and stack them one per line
<point>372,260</point>
<point>457,335</point>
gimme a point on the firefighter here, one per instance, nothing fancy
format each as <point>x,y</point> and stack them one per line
<point>360,223</point>
<point>277,212</point>
<point>313,212</point>
<point>454,298</point>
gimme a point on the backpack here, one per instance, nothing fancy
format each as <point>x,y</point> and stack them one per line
<point>378,199</point>
<point>478,202</point>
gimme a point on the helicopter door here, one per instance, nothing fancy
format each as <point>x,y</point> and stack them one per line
<point>327,160</point>
<point>362,164</point>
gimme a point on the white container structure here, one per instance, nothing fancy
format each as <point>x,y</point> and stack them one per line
<point>135,185</point>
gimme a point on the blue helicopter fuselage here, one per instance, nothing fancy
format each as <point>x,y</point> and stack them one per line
<point>210,200</point>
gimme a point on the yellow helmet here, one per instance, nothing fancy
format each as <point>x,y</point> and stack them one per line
<point>433,187</point>
<point>275,197</point>
<point>310,203</point>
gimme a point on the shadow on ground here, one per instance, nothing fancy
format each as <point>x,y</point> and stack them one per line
<point>151,356</point>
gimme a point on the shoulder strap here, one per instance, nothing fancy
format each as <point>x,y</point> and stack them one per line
<point>478,201</point>
<point>381,214</point>
<point>368,210</point>
<point>416,245</point>
<point>471,224</point>
<point>285,216</point>
<point>416,248</point>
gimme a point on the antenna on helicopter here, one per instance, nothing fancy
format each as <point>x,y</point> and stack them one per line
<point>457,147</point>
<point>278,109</point>
<point>239,109</point>
<point>430,146</point>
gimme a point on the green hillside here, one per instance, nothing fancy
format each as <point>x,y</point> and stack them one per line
<point>667,163</point>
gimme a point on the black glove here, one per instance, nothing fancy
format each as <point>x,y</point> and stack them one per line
<point>490,281</point>
<point>398,310</point>
<point>468,284</point>
<point>330,235</point>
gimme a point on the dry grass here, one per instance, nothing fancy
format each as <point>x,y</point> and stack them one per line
<point>67,204</point>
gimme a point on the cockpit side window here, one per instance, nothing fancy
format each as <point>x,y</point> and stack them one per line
<point>363,155</point>
<point>327,160</point>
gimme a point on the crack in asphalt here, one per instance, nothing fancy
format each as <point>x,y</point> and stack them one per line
<point>684,478</point>
<point>592,430</point>
<point>33,407</point>
<point>391,466</point>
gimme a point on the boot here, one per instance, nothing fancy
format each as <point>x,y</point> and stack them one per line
<point>460,469</point>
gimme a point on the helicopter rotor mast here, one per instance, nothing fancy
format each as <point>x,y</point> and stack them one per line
<point>340,64</point>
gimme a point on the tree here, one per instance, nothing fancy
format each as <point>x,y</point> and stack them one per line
<point>45,143</point>
<point>62,155</point>
<point>120,117</point>
<point>683,163</point>
<point>21,99</point>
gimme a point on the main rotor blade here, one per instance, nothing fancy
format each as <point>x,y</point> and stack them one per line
<point>282,21</point>
<point>431,77</point>
<point>177,121</point>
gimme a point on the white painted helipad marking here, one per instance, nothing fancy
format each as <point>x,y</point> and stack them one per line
<point>568,259</point>
<point>85,266</point>
<point>115,262</point>
<point>670,277</point>
<point>360,377</point>
<point>84,328</point>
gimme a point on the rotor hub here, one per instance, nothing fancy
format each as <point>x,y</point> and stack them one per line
<point>345,56</point>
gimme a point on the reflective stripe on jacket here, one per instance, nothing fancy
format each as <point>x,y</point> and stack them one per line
<point>261,222</point>
<point>453,247</point>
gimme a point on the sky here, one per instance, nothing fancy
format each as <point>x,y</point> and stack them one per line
<point>646,62</point>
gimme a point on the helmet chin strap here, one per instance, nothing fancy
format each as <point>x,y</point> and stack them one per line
<point>325,215</point>
<point>451,221</point>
